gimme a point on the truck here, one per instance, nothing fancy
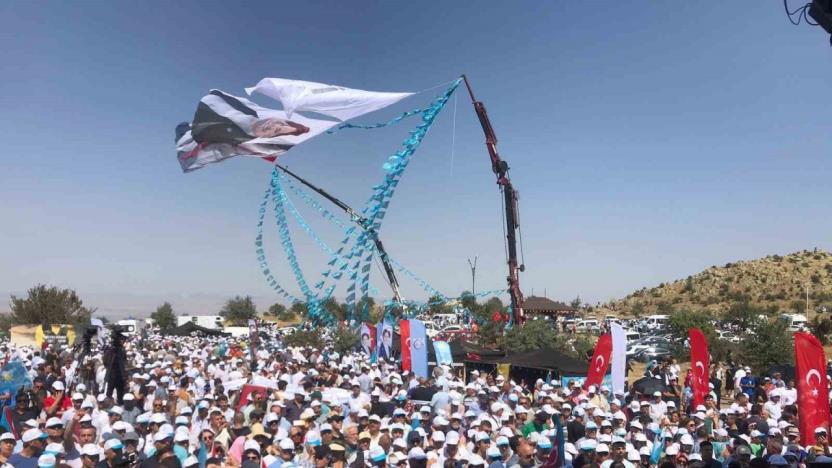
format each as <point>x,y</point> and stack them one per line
<point>214,322</point>
<point>128,326</point>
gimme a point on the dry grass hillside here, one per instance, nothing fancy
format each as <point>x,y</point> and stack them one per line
<point>775,281</point>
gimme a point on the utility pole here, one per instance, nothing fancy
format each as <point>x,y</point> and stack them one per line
<point>473,274</point>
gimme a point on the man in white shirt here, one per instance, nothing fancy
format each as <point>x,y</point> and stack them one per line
<point>658,408</point>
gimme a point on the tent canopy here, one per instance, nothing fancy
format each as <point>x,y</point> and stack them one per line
<point>189,328</point>
<point>548,359</point>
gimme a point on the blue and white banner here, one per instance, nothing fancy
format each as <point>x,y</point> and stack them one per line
<point>418,348</point>
<point>443,353</point>
<point>579,379</point>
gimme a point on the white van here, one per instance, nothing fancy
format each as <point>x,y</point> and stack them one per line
<point>656,321</point>
<point>632,335</point>
<point>795,322</point>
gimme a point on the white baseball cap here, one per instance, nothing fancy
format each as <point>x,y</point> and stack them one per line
<point>33,434</point>
<point>90,450</point>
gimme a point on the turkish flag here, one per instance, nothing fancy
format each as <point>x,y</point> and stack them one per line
<point>404,333</point>
<point>700,362</point>
<point>812,396</point>
<point>600,361</point>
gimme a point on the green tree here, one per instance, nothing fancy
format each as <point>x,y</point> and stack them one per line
<point>47,305</point>
<point>337,310</point>
<point>164,317</point>
<point>311,338</point>
<point>582,347</point>
<point>276,309</point>
<point>468,300</point>
<point>745,315</point>
<point>365,308</point>
<point>681,322</point>
<point>821,328</point>
<point>770,342</point>
<point>438,305</point>
<point>576,303</point>
<point>280,312</point>
<point>344,340</point>
<point>299,309</point>
<point>533,334</point>
<point>239,310</point>
<point>638,309</point>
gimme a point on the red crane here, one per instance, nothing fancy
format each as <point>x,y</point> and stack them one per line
<point>500,168</point>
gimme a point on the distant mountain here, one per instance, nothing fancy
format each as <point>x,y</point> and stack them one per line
<point>775,281</point>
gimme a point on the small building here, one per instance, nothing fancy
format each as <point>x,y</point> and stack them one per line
<point>543,306</point>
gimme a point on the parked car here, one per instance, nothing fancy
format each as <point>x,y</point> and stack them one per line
<point>588,326</point>
<point>652,353</point>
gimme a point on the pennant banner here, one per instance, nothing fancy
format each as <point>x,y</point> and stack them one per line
<point>619,357</point>
<point>600,361</point>
<point>700,365</point>
<point>812,386</point>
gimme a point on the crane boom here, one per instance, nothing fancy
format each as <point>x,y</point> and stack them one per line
<point>361,221</point>
<point>500,168</point>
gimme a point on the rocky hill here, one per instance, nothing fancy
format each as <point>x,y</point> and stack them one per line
<point>774,281</point>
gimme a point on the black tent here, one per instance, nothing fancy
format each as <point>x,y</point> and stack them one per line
<point>547,359</point>
<point>191,329</point>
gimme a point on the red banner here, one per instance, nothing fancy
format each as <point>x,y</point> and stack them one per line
<point>600,361</point>
<point>812,386</point>
<point>404,332</point>
<point>700,364</point>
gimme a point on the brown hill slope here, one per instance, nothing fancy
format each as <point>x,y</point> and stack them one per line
<point>775,281</point>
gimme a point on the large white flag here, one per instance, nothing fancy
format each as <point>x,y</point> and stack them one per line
<point>225,126</point>
<point>619,357</point>
<point>334,101</point>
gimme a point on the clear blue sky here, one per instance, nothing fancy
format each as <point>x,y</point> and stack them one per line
<point>648,140</point>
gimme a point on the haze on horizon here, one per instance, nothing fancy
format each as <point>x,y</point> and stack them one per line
<point>648,142</point>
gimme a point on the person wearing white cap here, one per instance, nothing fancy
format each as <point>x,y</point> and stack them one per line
<point>57,402</point>
<point>7,443</point>
<point>658,408</point>
<point>90,455</point>
<point>34,441</point>
<point>618,454</point>
<point>112,448</point>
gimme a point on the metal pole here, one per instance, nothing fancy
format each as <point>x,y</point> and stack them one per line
<point>473,275</point>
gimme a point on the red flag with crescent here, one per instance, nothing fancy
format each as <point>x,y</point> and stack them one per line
<point>812,386</point>
<point>404,333</point>
<point>600,361</point>
<point>700,363</point>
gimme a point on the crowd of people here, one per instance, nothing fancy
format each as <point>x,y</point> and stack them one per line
<point>206,402</point>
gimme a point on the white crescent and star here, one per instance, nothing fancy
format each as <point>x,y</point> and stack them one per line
<point>809,375</point>
<point>598,364</point>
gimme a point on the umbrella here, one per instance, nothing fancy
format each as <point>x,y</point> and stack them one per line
<point>648,385</point>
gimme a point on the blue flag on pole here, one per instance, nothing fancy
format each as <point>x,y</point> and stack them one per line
<point>13,376</point>
<point>656,455</point>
